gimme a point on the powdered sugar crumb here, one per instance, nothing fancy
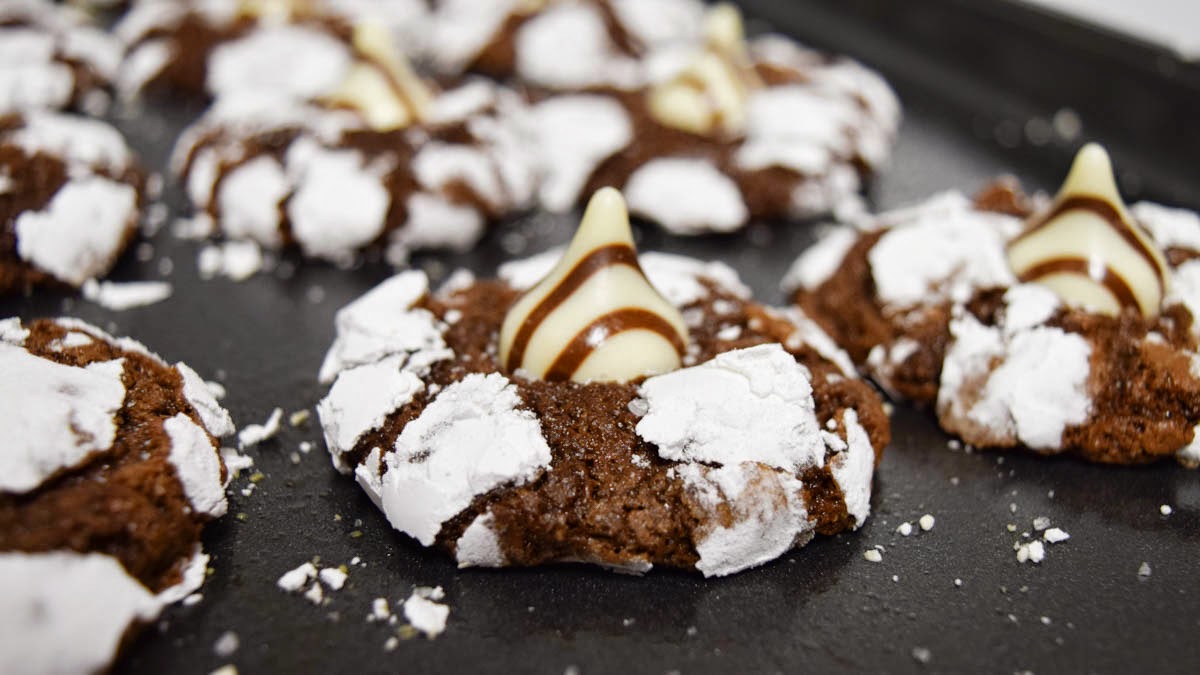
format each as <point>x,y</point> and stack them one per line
<point>253,434</point>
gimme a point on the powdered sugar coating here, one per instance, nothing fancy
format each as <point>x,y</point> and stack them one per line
<point>197,465</point>
<point>686,196</point>
<point>57,240</point>
<point>215,418</point>
<point>53,416</point>
<point>295,61</point>
<point>88,597</point>
<point>1022,383</point>
<point>360,400</point>
<point>818,262</point>
<point>944,249</point>
<point>383,323</point>
<point>472,438</point>
<point>567,157</point>
<point>478,546</point>
<point>854,469</point>
<point>748,405</point>
<point>766,508</point>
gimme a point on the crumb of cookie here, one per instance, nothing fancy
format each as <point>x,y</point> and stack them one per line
<point>126,295</point>
<point>873,555</point>
<point>424,613</point>
<point>927,521</point>
<point>253,434</point>
<point>294,580</point>
<point>1054,535</point>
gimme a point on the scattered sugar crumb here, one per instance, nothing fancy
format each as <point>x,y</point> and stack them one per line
<point>296,579</point>
<point>1033,552</point>
<point>333,577</point>
<point>1055,535</point>
<point>1166,509</point>
<point>1012,507</point>
<point>226,645</point>
<point>235,260</point>
<point>306,447</point>
<point>235,462</point>
<point>922,654</point>
<point>1046,621</point>
<point>300,417</point>
<point>1144,571</point>
<point>424,613</point>
<point>126,295</point>
<point>249,489</point>
<point>1040,523</point>
<point>380,610</point>
<point>356,561</point>
<point>253,434</point>
<point>873,555</point>
<point>927,521</point>
<point>314,594</point>
<point>1011,527</point>
<point>391,643</point>
<point>958,582</point>
<point>896,578</point>
<point>954,444</point>
<point>294,458</point>
<point>905,529</point>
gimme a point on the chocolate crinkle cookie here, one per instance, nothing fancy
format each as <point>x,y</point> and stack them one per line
<point>70,199</point>
<point>215,47</point>
<point>700,128</point>
<point>110,471</point>
<point>741,432</point>
<point>1061,326</point>
<point>332,180</point>
<point>52,58</point>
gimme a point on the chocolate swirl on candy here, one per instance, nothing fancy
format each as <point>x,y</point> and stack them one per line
<point>708,97</point>
<point>595,316</point>
<point>1088,249</point>
<point>380,84</point>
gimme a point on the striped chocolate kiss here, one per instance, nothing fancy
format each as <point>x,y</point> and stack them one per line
<point>595,316</point>
<point>380,84</point>
<point>1087,248</point>
<point>709,95</point>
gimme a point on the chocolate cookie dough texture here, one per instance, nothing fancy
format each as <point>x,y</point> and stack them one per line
<point>70,199</point>
<point>759,437</point>
<point>50,58</point>
<point>110,471</point>
<point>301,48</point>
<point>1070,327</point>
<point>379,163</point>
<point>701,129</point>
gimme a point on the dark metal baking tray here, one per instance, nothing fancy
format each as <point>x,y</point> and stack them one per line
<point>823,608</point>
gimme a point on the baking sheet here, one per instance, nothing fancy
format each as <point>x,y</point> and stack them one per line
<point>823,608</point>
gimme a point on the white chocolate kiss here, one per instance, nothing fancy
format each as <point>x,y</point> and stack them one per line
<point>613,290</point>
<point>380,84</point>
<point>711,93</point>
<point>1071,234</point>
